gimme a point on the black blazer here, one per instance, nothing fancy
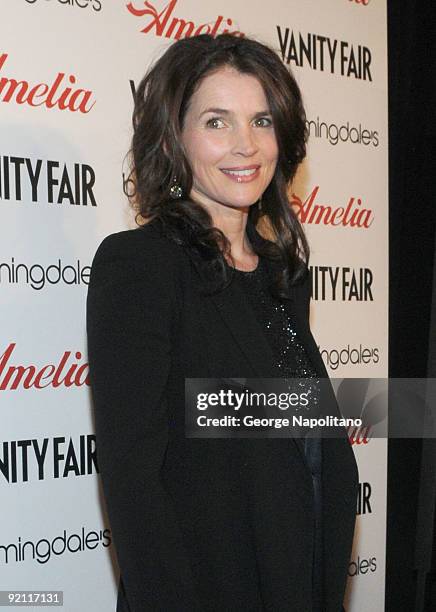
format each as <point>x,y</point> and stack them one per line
<point>201,524</point>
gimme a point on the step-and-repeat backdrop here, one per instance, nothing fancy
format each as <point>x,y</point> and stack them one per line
<point>67,72</point>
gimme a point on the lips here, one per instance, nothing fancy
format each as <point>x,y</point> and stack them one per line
<point>241,168</point>
<point>242,174</point>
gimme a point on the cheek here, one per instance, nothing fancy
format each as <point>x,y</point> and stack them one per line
<point>271,149</point>
<point>204,150</point>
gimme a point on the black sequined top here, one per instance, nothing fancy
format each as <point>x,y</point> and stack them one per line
<point>291,361</point>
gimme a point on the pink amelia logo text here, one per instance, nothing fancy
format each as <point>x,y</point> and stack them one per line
<point>60,93</point>
<point>312,212</point>
<point>364,2</point>
<point>68,372</point>
<point>163,23</point>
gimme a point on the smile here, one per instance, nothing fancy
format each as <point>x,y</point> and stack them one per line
<point>242,176</point>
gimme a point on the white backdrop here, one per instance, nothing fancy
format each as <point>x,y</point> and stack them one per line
<point>65,116</point>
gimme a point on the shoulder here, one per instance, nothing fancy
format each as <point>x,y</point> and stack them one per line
<point>301,292</point>
<point>130,251</point>
<point>143,242</point>
<point>302,285</point>
<point>135,274</point>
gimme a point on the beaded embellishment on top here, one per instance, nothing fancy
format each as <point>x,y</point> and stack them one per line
<point>278,322</point>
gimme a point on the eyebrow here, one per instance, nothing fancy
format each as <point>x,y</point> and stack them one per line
<point>224,111</point>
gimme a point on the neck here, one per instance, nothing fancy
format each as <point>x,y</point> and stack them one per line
<point>232,222</point>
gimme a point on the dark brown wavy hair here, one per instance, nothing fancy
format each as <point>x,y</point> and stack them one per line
<point>157,155</point>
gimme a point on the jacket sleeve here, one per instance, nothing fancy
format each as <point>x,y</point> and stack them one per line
<point>131,311</point>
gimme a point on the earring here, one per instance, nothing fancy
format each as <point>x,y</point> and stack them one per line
<point>259,204</point>
<point>175,190</point>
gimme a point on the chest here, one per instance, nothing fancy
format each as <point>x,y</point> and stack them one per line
<point>243,332</point>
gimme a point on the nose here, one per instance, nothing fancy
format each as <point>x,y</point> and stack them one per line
<point>245,141</point>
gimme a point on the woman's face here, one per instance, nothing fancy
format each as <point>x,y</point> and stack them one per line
<point>229,140</point>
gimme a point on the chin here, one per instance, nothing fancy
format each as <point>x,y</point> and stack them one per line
<point>240,201</point>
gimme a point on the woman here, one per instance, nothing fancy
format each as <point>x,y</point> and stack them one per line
<point>214,285</point>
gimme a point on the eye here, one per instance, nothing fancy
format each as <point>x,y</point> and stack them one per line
<point>263,122</point>
<point>215,123</point>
